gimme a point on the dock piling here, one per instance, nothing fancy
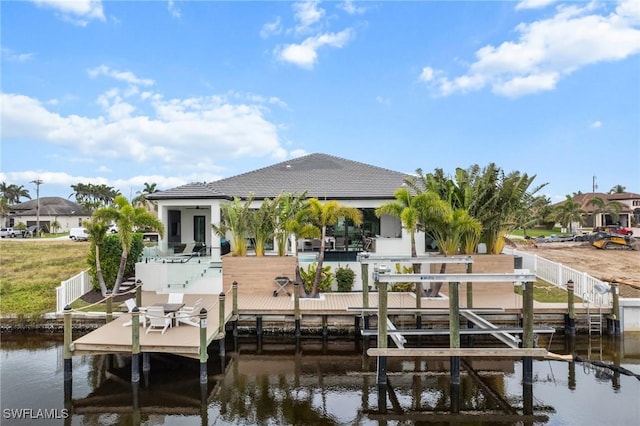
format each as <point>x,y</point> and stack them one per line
<point>221,311</point>
<point>109,307</point>
<point>454,330</point>
<point>570,319</point>
<point>67,344</point>
<point>613,322</point>
<point>138,292</point>
<point>203,346</point>
<point>364,268</point>
<point>135,345</point>
<point>296,308</point>
<point>235,308</point>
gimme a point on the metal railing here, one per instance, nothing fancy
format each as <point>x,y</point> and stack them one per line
<point>558,275</point>
<point>71,289</point>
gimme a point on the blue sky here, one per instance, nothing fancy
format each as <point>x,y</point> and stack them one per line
<point>171,92</point>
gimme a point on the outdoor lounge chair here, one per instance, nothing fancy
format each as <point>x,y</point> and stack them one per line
<point>158,320</point>
<point>190,315</point>
<point>188,249</point>
<point>131,303</point>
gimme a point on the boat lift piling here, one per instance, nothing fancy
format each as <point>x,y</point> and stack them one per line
<point>524,348</point>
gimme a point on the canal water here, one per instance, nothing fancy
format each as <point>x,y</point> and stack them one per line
<point>280,380</point>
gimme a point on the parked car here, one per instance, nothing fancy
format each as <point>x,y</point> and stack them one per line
<point>78,234</point>
<point>10,233</point>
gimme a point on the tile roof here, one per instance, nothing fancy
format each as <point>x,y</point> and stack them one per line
<point>322,176</point>
<point>583,200</point>
<point>49,206</point>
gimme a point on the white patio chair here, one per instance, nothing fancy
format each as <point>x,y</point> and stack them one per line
<point>175,298</point>
<point>131,303</point>
<point>190,316</point>
<point>188,249</point>
<point>158,320</point>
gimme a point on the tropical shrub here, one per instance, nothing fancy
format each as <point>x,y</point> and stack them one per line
<point>403,287</point>
<point>110,252</point>
<point>308,277</point>
<point>345,277</point>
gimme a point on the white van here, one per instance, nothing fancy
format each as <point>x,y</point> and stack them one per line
<point>78,234</point>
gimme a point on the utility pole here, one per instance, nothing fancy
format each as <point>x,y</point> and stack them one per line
<point>38,182</point>
<point>594,185</point>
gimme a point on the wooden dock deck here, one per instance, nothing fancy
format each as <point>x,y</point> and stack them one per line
<point>184,340</point>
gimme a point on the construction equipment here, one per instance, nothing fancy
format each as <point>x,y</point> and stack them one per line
<point>605,240</point>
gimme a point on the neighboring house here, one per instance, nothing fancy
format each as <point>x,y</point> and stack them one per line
<point>67,213</point>
<point>629,215</point>
<point>189,210</point>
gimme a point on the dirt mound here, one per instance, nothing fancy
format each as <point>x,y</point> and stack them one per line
<point>622,265</point>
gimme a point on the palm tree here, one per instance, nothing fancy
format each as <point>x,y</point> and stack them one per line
<point>261,225</point>
<point>97,231</point>
<point>13,193</point>
<point>454,231</point>
<point>617,189</point>
<point>287,206</point>
<point>234,219</point>
<point>141,199</point>
<point>569,212</point>
<point>127,218</point>
<point>319,216</point>
<point>611,208</point>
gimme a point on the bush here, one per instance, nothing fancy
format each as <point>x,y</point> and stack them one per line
<point>110,253</point>
<point>345,277</point>
<point>403,287</point>
<point>308,276</point>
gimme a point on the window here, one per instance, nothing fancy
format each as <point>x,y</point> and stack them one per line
<point>199,233</point>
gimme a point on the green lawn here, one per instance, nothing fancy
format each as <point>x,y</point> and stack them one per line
<point>32,269</point>
<point>544,292</point>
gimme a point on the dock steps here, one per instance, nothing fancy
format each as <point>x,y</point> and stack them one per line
<point>594,320</point>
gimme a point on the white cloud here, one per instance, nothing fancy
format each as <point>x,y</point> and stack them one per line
<point>427,74</point>
<point>78,12</point>
<point>126,76</point>
<point>305,54</point>
<point>350,7</point>
<point>174,10</point>
<point>192,133</point>
<point>271,28</point>
<point>534,4</point>
<point>596,124</point>
<point>547,51</point>
<point>10,56</point>
<point>383,101</point>
<point>307,13</point>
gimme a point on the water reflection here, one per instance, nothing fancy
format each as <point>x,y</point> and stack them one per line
<point>283,380</point>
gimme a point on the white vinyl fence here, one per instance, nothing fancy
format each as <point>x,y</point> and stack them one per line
<point>557,274</point>
<point>71,290</point>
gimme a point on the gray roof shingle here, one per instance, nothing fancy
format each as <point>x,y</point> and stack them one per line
<point>322,176</point>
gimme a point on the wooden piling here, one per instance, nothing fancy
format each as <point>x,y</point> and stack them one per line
<point>325,327</point>
<point>135,345</point>
<point>527,332</point>
<point>221,315</point>
<point>615,309</point>
<point>364,268</point>
<point>139,293</point>
<point>382,332</point>
<point>469,287</point>
<point>236,316</point>
<point>454,330</point>
<point>203,346</point>
<point>109,307</point>
<point>296,308</point>
<point>570,323</point>
<point>67,344</point>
